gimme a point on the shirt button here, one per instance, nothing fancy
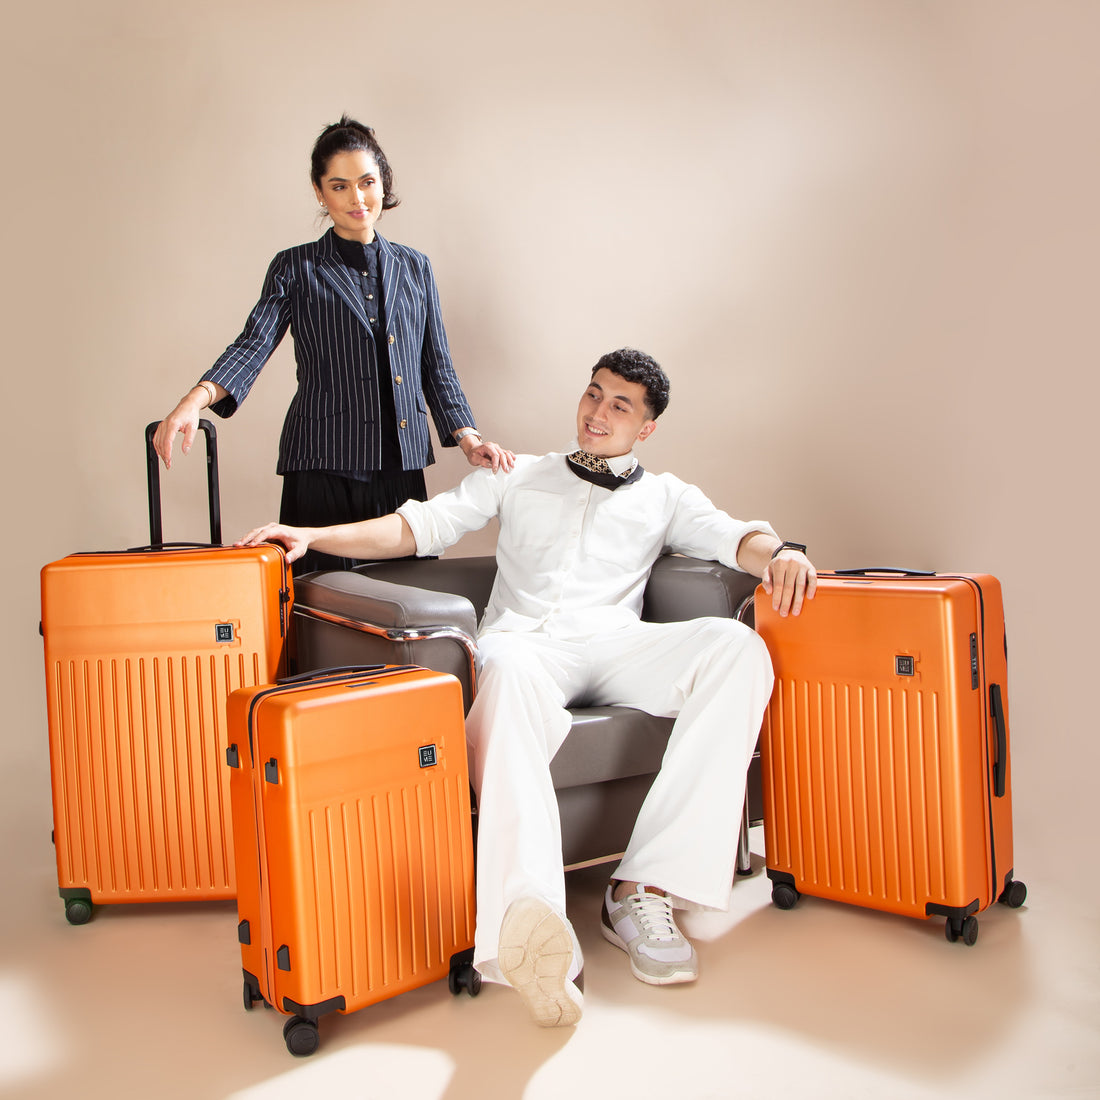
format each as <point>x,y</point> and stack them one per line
<point>370,297</point>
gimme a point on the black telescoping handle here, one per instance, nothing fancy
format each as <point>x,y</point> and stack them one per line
<point>1000,764</point>
<point>156,535</point>
<point>884,569</point>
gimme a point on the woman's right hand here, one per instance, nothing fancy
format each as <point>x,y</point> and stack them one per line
<point>183,418</point>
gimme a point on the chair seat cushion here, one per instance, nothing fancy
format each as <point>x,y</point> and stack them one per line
<point>610,743</point>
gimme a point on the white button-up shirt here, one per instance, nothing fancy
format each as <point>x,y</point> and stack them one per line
<point>573,558</point>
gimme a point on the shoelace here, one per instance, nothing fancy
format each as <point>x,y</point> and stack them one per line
<point>653,915</point>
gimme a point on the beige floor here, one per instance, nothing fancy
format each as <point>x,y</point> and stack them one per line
<point>821,1001</point>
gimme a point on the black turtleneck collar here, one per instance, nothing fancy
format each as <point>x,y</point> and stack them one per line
<point>363,257</point>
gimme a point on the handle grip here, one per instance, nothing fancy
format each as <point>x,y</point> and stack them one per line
<point>1000,763</point>
<point>884,569</point>
<point>156,537</point>
<point>336,672</point>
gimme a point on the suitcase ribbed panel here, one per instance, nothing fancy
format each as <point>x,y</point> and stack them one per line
<point>141,791</point>
<point>873,813</point>
<point>388,880</point>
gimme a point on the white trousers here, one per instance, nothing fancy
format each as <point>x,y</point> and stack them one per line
<point>713,675</point>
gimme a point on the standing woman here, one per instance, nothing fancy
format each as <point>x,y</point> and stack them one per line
<point>371,352</point>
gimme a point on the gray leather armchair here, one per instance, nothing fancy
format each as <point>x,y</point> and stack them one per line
<point>425,612</point>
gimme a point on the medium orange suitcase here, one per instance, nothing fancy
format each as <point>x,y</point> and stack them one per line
<point>887,779</point>
<point>142,649</point>
<point>353,837</point>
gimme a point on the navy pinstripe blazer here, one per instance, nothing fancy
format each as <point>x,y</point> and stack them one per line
<point>333,421</point>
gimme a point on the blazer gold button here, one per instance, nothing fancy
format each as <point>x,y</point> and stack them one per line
<point>404,423</point>
<point>393,338</point>
<point>398,380</point>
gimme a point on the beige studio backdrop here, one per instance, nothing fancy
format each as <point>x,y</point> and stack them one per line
<point>861,236</point>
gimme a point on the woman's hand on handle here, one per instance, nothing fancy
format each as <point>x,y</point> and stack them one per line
<point>184,418</point>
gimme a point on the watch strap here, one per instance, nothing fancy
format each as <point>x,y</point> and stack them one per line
<point>799,546</point>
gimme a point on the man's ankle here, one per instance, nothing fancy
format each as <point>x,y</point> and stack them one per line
<point>621,889</point>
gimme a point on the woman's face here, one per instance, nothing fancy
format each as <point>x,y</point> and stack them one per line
<point>351,188</point>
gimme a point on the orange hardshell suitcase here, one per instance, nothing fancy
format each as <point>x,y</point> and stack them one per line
<point>887,779</point>
<point>352,828</point>
<point>142,649</point>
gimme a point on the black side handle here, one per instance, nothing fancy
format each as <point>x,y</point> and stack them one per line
<point>213,492</point>
<point>884,569</point>
<point>997,716</point>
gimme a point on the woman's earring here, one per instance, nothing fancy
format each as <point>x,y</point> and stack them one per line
<point>324,209</point>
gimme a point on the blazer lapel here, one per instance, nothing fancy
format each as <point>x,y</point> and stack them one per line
<point>393,275</point>
<point>334,271</point>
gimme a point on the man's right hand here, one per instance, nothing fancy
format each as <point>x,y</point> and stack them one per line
<point>294,539</point>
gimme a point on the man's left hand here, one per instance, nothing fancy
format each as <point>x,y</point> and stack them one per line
<point>491,455</point>
<point>789,579</point>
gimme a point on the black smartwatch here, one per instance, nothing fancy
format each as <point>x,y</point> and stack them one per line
<point>799,546</point>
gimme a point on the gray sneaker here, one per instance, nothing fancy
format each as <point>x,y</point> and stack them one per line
<point>643,926</point>
<point>535,953</point>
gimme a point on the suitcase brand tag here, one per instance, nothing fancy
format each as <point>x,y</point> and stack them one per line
<point>428,756</point>
<point>223,632</point>
<point>904,666</point>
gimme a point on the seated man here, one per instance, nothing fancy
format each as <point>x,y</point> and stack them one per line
<point>579,533</point>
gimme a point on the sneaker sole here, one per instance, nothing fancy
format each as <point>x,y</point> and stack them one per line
<point>535,954</point>
<point>677,977</point>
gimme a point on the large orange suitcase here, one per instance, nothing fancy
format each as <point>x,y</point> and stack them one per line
<point>887,778</point>
<point>142,649</point>
<point>352,829</point>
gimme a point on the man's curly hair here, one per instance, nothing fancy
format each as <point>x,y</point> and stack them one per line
<point>636,366</point>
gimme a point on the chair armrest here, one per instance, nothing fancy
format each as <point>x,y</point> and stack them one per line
<point>469,577</point>
<point>682,588</point>
<point>348,616</point>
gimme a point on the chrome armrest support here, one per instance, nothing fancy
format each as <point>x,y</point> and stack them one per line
<point>399,634</point>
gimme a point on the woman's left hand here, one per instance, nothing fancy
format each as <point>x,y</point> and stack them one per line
<point>491,455</point>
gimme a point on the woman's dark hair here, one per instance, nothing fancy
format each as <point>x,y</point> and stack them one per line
<point>349,136</point>
<point>636,366</point>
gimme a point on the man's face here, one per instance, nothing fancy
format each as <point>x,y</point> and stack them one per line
<point>612,415</point>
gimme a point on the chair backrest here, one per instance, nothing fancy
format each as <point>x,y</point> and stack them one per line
<point>679,587</point>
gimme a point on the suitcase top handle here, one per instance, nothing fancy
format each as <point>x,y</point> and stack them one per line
<point>156,537</point>
<point>337,672</point>
<point>884,569</point>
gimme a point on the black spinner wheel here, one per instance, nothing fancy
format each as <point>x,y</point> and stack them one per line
<point>784,896</point>
<point>1013,895</point>
<point>301,1036</point>
<point>962,928</point>
<point>78,910</point>
<point>464,976</point>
